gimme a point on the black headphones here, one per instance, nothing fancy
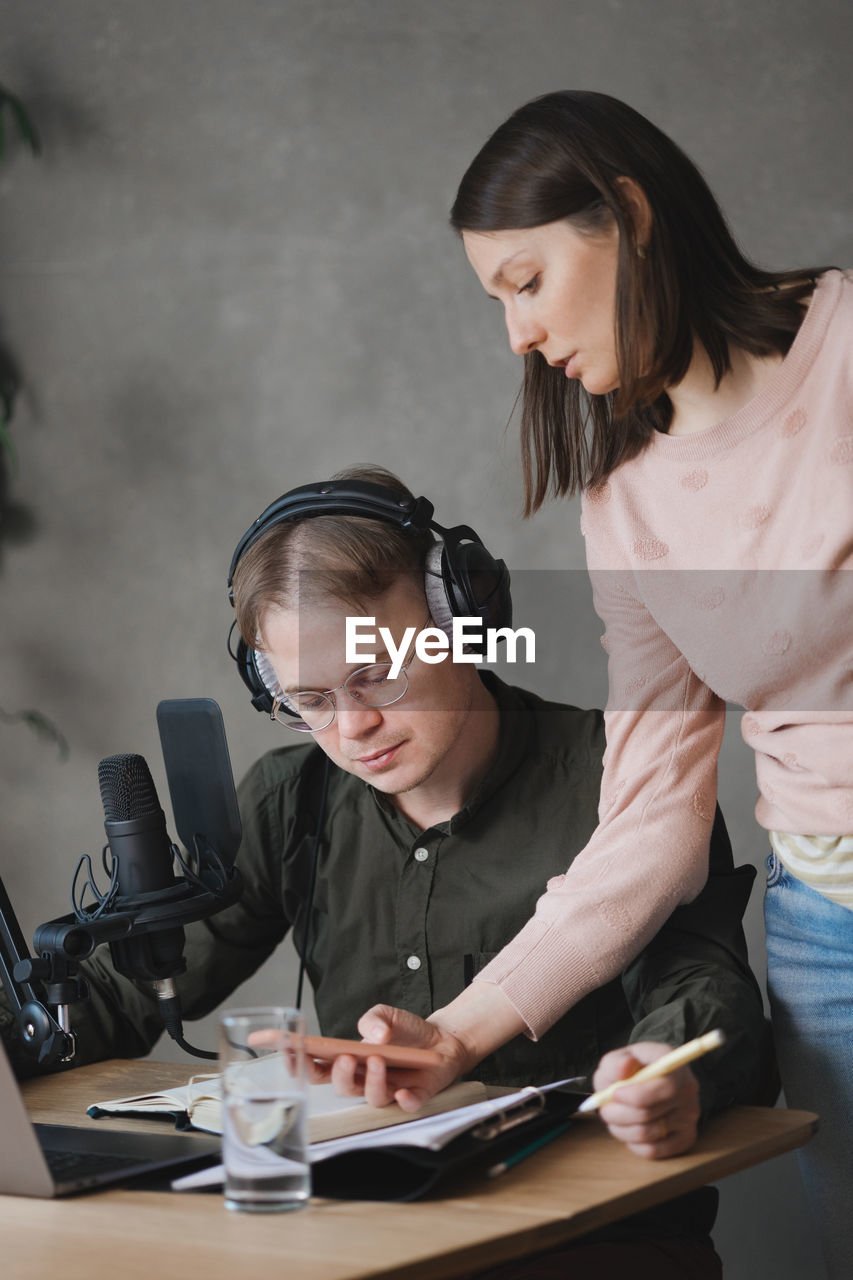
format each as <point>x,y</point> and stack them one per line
<point>461,578</point>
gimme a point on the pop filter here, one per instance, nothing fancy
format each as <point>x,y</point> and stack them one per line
<point>198,771</point>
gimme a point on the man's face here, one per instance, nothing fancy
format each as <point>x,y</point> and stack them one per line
<point>394,748</point>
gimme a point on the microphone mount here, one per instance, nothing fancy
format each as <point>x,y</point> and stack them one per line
<point>42,988</point>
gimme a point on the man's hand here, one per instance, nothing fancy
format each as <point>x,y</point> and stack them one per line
<point>409,1087</point>
<point>656,1118</point>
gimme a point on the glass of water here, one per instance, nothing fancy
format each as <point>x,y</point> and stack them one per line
<point>264,1103</point>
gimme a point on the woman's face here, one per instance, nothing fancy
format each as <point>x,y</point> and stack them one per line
<point>558,289</point>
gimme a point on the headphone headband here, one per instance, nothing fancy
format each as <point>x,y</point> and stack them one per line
<point>340,498</point>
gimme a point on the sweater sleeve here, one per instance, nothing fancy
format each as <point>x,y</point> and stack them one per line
<point>694,976</point>
<point>649,852</point>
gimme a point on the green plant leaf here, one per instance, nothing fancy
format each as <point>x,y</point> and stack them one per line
<point>26,128</point>
<point>7,444</point>
<point>40,725</point>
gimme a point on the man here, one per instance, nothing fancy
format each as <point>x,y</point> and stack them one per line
<point>405,838</point>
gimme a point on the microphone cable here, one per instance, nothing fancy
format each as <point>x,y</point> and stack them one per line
<point>169,1007</point>
<point>207,863</point>
<point>207,860</point>
<point>315,859</point>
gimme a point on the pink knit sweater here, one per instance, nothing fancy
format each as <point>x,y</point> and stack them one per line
<point>713,559</point>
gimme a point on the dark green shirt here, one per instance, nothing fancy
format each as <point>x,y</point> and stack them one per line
<point>407,917</point>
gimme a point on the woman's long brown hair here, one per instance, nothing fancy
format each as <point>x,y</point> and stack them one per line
<point>561,156</point>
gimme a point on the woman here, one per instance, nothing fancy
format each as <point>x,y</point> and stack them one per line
<point>704,407</point>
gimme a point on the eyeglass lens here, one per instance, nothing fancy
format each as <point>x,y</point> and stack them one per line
<point>372,686</point>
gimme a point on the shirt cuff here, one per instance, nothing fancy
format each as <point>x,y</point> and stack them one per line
<point>541,974</point>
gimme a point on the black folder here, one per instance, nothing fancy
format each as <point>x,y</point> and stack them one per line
<point>397,1172</point>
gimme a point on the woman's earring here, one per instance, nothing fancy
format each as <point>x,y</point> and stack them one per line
<point>641,251</point>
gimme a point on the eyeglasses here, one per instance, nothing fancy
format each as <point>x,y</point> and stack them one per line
<point>309,711</point>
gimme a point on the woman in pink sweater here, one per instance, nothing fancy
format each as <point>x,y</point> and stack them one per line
<point>704,408</point>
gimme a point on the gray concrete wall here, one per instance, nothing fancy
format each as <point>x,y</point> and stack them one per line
<point>230,272</point>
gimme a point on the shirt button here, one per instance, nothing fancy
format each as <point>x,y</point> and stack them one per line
<point>413,962</point>
<point>421,855</point>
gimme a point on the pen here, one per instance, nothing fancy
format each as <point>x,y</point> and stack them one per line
<point>663,1066</point>
<point>516,1156</point>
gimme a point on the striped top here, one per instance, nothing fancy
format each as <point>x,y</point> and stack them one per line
<point>824,863</point>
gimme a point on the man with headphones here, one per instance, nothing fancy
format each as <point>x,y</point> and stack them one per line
<point>409,822</point>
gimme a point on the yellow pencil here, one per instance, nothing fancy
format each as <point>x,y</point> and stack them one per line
<point>663,1066</point>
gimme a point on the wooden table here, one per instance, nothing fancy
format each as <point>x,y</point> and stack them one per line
<point>579,1182</point>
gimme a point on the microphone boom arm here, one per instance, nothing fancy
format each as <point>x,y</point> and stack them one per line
<point>199,773</point>
<point>35,983</point>
<point>50,1037</point>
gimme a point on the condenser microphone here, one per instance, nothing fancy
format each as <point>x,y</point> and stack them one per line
<point>135,825</point>
<point>142,868</point>
<point>154,889</point>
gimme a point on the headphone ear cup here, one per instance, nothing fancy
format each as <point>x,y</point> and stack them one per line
<point>440,608</point>
<point>481,584</point>
<point>257,675</point>
<point>266,675</point>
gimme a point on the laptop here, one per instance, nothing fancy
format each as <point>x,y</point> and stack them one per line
<point>56,1160</point>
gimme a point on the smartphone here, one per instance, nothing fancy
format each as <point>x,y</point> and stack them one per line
<point>396,1055</point>
<point>327,1048</point>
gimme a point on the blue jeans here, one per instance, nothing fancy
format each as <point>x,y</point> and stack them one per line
<point>810,984</point>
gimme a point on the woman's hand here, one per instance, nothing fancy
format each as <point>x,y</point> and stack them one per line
<point>656,1118</point>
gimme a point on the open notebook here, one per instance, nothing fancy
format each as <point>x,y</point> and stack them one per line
<point>197,1105</point>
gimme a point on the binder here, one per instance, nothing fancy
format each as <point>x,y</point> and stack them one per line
<point>397,1172</point>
